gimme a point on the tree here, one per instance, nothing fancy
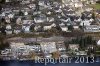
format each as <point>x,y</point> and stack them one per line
<point>32,28</point>
<point>83,17</point>
<point>3,43</point>
<point>2,1</point>
<point>70,27</point>
<point>83,41</point>
<point>21,13</point>
<point>93,16</point>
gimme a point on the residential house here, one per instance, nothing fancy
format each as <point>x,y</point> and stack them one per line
<point>62,24</point>
<point>76,27</point>
<point>52,45</point>
<point>8,29</point>
<point>41,3</point>
<point>69,12</point>
<point>48,47</point>
<point>37,27</point>
<point>64,28</point>
<point>40,19</point>
<point>11,15</point>
<point>32,6</point>
<point>77,19</point>
<point>85,23</point>
<point>7,19</point>
<point>19,21</point>
<point>27,21</point>
<point>82,53</point>
<point>57,10</point>
<point>26,28</point>
<point>25,1</point>
<point>18,49</point>
<point>48,26</point>
<point>6,54</point>
<point>98,42</point>
<point>91,48</point>
<point>17,29</point>
<point>26,25</point>
<point>74,47</point>
<point>92,1</point>
<point>78,4</point>
<point>3,14</point>
<point>50,19</point>
<point>36,12</point>
<point>92,28</point>
<point>61,48</point>
<point>25,13</point>
<point>65,19</point>
<point>7,1</point>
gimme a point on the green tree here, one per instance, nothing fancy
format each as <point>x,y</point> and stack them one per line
<point>93,16</point>
<point>21,13</point>
<point>3,43</point>
<point>70,27</point>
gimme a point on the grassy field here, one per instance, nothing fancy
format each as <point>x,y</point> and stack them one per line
<point>96,6</point>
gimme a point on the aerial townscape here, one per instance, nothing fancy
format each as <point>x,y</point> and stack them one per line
<point>49,29</point>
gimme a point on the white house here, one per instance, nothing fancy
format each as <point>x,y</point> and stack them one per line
<point>26,1</point>
<point>25,13</point>
<point>8,26</point>
<point>26,25</point>
<point>17,29</point>
<point>7,0</point>
<point>8,29</point>
<point>62,24</point>
<point>83,53</point>
<point>65,19</point>
<point>40,19</point>
<point>11,15</point>
<point>78,4</point>
<point>3,14</point>
<point>98,42</point>
<point>37,27</point>
<point>41,3</point>
<point>74,47</point>
<point>49,26</point>
<point>64,28</point>
<point>76,27</point>
<point>50,19</point>
<point>19,21</point>
<point>27,22</point>
<point>5,52</point>
<point>7,19</point>
<point>32,6</point>
<point>85,23</point>
<point>26,28</point>
<point>48,47</point>
<point>92,28</point>
<point>58,10</point>
<point>53,25</point>
<point>18,49</point>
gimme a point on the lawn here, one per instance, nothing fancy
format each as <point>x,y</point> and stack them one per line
<point>97,6</point>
